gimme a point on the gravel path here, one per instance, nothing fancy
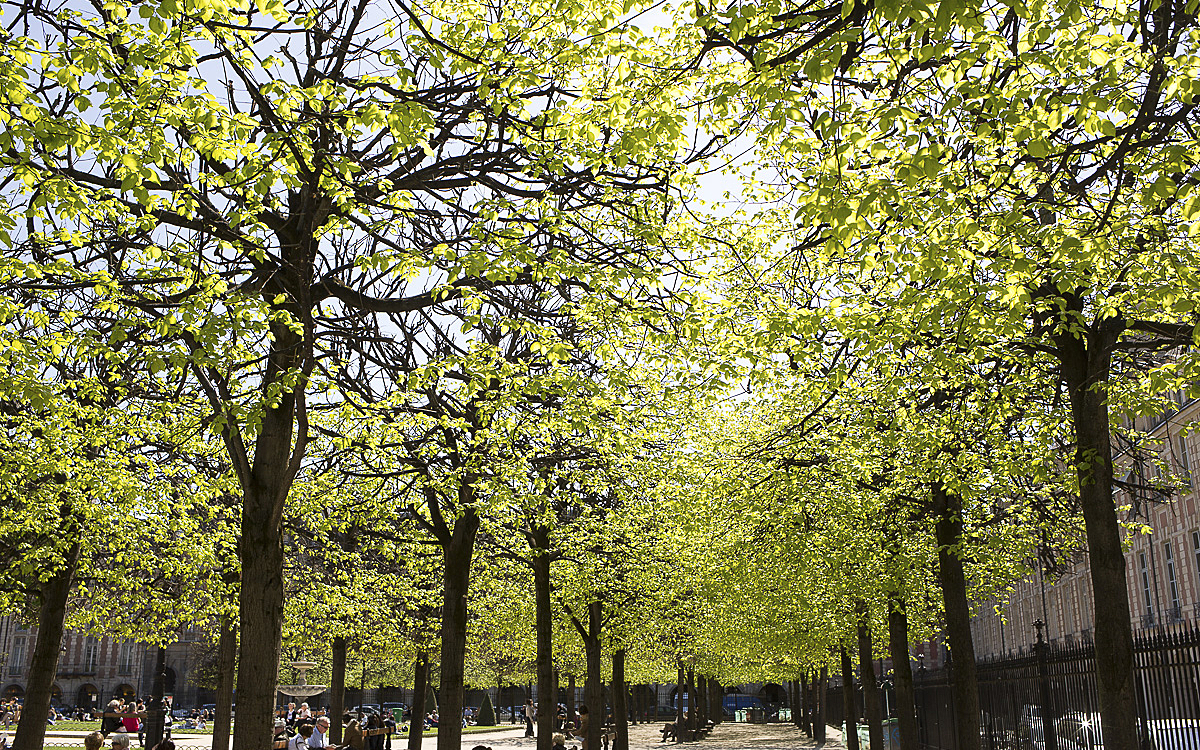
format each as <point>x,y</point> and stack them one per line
<point>727,736</point>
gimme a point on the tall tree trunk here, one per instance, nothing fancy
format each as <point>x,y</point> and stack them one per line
<point>547,705</point>
<point>716,712</point>
<point>819,718</point>
<point>620,710</point>
<point>156,709</point>
<point>691,707</point>
<point>866,669</point>
<point>953,580</point>
<point>265,487</point>
<point>680,689</point>
<point>593,686</point>
<point>1086,365</point>
<point>849,714</point>
<point>801,711</point>
<point>337,690</point>
<point>227,658</point>
<point>260,612</point>
<point>570,701</point>
<point>455,579</point>
<point>416,724</point>
<point>52,614</point>
<point>701,701</point>
<point>902,679</point>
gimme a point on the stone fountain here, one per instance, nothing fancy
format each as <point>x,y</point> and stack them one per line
<point>302,690</point>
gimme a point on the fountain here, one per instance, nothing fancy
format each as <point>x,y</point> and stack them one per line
<point>303,690</point>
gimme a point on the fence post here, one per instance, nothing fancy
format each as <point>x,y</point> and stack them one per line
<point>1049,731</point>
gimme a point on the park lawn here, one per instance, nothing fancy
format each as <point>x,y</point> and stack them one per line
<point>89,726</point>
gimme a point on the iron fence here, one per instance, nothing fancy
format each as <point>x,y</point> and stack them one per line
<point>1047,700</point>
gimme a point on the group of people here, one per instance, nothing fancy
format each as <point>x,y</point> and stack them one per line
<point>119,740</point>
<point>565,726</point>
<point>305,729</point>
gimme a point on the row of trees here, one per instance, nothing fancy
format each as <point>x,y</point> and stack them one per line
<point>348,321</point>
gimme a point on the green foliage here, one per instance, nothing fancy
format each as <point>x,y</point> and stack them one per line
<point>487,714</point>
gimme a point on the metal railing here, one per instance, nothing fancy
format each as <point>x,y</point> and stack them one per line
<point>1013,695</point>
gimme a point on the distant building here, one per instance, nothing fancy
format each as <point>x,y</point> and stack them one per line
<point>92,671</point>
<point>1162,569</point>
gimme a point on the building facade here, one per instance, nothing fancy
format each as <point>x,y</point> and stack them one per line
<point>1162,568</point>
<point>92,671</point>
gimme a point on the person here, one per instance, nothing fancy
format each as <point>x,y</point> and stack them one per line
<point>304,716</point>
<point>375,741</point>
<point>529,714</point>
<point>320,735</point>
<point>93,741</point>
<point>300,740</point>
<point>109,724</point>
<point>164,745</point>
<point>389,723</point>
<point>352,733</point>
<point>280,730</point>
<point>290,715</point>
<point>431,721</point>
<point>583,726</point>
<point>120,740</point>
<point>560,741</point>
<point>130,721</point>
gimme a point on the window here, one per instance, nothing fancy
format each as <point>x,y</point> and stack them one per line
<point>1173,582</point>
<point>1196,550</point>
<point>1185,464</point>
<point>89,654</point>
<point>16,662</point>
<point>1146,592</point>
<point>125,661</point>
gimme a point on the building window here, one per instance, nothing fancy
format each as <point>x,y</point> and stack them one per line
<point>1146,592</point>
<point>16,662</point>
<point>1185,464</point>
<point>125,662</point>
<point>1176,613</point>
<point>1196,550</point>
<point>90,647</point>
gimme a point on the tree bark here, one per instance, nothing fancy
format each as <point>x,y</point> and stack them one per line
<point>819,720</point>
<point>801,716</point>
<point>953,580</point>
<point>620,710</point>
<point>593,687</point>
<point>716,710</point>
<point>337,690</point>
<point>227,656</point>
<point>570,701</point>
<point>691,696</point>
<point>544,625</point>
<point>43,665</point>
<point>849,714</point>
<point>264,492</point>
<point>416,724</point>
<point>1086,365</point>
<point>455,579</point>
<point>156,710</point>
<point>680,689</point>
<point>866,669</point>
<point>902,680</point>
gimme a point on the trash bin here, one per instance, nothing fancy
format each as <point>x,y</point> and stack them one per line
<point>785,714</point>
<point>740,715</point>
<point>891,734</point>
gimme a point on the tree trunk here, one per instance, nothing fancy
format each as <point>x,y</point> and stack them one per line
<point>156,709</point>
<point>416,724</point>
<point>1086,368</point>
<point>902,680</point>
<point>260,612</point>
<point>849,714</point>
<point>718,704</point>
<point>691,696</point>
<point>866,669</point>
<point>593,686</point>
<point>953,580</point>
<point>544,626</point>
<point>223,711</point>
<point>701,712</point>
<point>570,701</point>
<point>801,716</point>
<point>819,720</point>
<point>260,551</point>
<point>52,614</point>
<point>455,579</point>
<point>337,690</point>
<point>680,689</point>
<point>620,710</point>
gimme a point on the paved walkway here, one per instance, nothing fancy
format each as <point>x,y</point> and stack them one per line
<point>726,736</point>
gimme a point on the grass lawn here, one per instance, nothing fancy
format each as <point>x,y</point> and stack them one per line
<point>89,726</point>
